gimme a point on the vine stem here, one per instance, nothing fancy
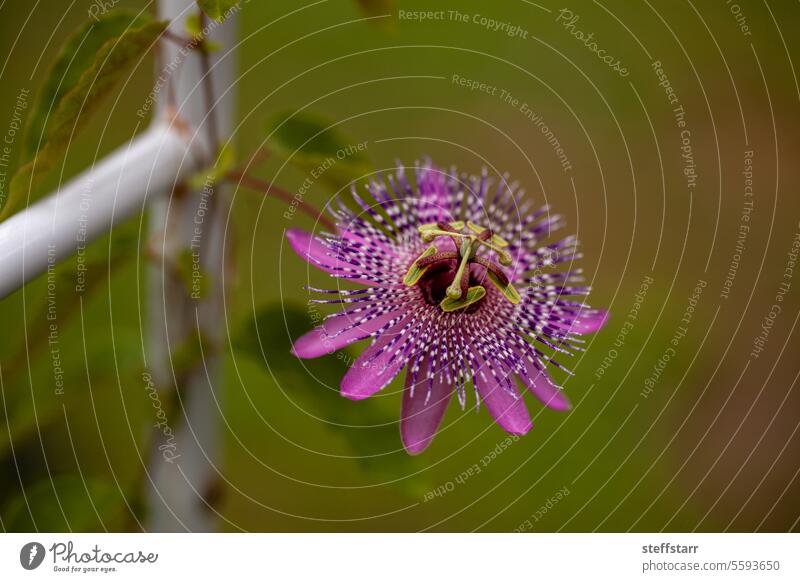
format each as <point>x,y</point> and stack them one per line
<point>182,41</point>
<point>183,474</point>
<point>266,188</point>
<point>208,94</point>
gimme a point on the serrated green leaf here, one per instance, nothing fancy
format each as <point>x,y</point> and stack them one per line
<point>217,9</point>
<point>309,133</point>
<point>75,57</point>
<point>109,65</point>
<point>311,143</point>
<point>268,334</point>
<point>67,503</point>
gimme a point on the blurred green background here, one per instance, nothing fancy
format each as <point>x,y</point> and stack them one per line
<point>713,447</point>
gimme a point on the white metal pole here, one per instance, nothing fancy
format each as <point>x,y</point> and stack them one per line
<point>190,223</point>
<point>89,205</point>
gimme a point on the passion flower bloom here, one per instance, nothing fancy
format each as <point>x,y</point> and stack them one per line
<point>462,286</point>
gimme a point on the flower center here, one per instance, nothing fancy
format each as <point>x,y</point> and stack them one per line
<point>453,279</point>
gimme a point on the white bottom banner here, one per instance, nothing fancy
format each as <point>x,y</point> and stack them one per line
<point>401,557</point>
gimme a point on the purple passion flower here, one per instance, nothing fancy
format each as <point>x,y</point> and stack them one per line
<point>460,288</point>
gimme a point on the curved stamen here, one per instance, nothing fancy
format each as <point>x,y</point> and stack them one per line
<point>459,293</point>
<point>492,268</point>
<point>457,289</point>
<point>436,257</point>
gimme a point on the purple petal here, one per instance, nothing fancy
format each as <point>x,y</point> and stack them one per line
<point>311,249</point>
<point>316,253</point>
<point>330,336</point>
<point>368,374</point>
<point>587,321</point>
<point>544,389</point>
<point>377,245</point>
<point>422,413</point>
<point>590,321</point>
<point>508,411</point>
<point>434,197</point>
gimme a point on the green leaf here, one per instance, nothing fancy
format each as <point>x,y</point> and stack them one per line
<point>211,176</point>
<point>267,334</point>
<point>217,9</point>
<point>194,25</point>
<point>311,143</point>
<point>195,29</point>
<point>23,413</point>
<point>68,503</point>
<point>109,65</point>
<point>75,57</point>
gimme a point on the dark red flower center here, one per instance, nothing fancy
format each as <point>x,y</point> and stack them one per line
<point>454,279</point>
<point>434,283</point>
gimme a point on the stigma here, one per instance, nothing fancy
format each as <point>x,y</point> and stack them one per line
<point>448,277</point>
